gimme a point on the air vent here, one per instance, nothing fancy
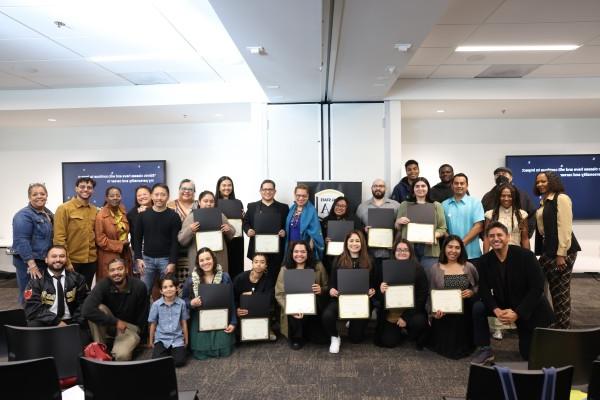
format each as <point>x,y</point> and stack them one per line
<point>508,71</point>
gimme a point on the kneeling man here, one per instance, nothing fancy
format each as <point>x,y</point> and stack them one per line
<point>511,286</point>
<point>117,307</point>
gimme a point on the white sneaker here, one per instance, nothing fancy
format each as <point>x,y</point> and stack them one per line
<point>497,334</point>
<point>334,347</point>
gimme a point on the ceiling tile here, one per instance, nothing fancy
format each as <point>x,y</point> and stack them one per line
<point>10,29</point>
<point>31,69</point>
<point>458,71</point>
<point>566,71</point>
<point>540,57</point>
<point>469,11</point>
<point>519,11</point>
<point>430,56</point>
<point>524,34</point>
<point>33,49</point>
<point>416,71</point>
<point>11,82</point>
<point>583,55</point>
<point>448,35</point>
<point>81,81</point>
<point>594,42</point>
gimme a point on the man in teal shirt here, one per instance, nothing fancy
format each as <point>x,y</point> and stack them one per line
<point>464,216</point>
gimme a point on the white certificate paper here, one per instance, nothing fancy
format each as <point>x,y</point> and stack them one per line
<point>335,248</point>
<point>400,296</point>
<point>420,233</point>
<point>211,239</point>
<point>254,329</point>
<point>381,237</point>
<point>213,320</point>
<point>354,306</point>
<point>266,244</point>
<point>237,225</point>
<point>447,300</point>
<point>300,303</point>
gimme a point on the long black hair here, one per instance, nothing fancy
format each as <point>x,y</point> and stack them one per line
<point>462,258</point>
<point>289,258</point>
<point>516,204</point>
<point>218,192</point>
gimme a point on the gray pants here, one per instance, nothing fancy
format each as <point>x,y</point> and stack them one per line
<point>124,342</point>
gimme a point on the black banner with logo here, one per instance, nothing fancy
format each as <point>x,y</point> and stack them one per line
<point>323,193</point>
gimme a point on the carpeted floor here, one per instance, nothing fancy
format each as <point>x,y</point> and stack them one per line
<point>273,371</point>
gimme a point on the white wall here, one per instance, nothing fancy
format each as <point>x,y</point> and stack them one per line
<point>478,146</point>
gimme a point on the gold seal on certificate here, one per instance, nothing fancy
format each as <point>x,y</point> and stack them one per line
<point>420,233</point>
<point>448,301</point>
<point>335,248</point>
<point>254,329</point>
<point>400,296</point>
<point>211,239</point>
<point>213,320</point>
<point>381,237</point>
<point>354,306</point>
<point>301,303</point>
<point>237,225</point>
<point>266,243</point>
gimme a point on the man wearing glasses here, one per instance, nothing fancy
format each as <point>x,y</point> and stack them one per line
<point>74,229</point>
<point>267,204</point>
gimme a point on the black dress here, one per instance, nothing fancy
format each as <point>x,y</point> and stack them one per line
<point>452,335</point>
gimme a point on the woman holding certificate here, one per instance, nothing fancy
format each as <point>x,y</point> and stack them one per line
<point>209,343</point>
<point>300,320</point>
<point>302,223</point>
<point>235,248</point>
<point>187,234</point>
<point>339,214</point>
<point>454,284</point>
<point>423,223</point>
<point>395,324</point>
<point>354,256</point>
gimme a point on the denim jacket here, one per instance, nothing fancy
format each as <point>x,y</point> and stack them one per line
<point>32,233</point>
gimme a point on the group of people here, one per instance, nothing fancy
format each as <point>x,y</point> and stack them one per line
<point>58,256</point>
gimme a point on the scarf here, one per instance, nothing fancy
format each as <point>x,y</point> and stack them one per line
<point>196,280</point>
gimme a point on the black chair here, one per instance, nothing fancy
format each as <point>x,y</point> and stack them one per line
<point>484,384</point>
<point>594,387</point>
<point>9,317</point>
<point>126,380</point>
<point>62,343</point>
<point>31,379</point>
<point>561,347</point>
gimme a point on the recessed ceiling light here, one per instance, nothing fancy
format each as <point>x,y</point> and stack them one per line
<point>559,47</point>
<point>402,47</point>
<point>440,111</point>
<point>257,50</point>
<point>51,120</point>
<point>272,86</point>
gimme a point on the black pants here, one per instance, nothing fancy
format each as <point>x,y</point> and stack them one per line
<point>308,328</point>
<point>88,270</point>
<point>179,354</point>
<point>391,335</point>
<point>356,331</point>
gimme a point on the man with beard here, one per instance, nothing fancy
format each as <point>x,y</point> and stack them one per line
<point>443,189</point>
<point>117,308</point>
<point>377,201</point>
<point>403,189</point>
<point>511,286</point>
<point>57,297</point>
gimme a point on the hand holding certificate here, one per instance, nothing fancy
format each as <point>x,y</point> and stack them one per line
<point>255,325</point>
<point>233,210</point>
<point>420,233</point>
<point>214,314</point>
<point>421,228</point>
<point>267,226</point>
<point>448,301</point>
<point>337,231</point>
<point>400,278</point>
<point>210,235</point>
<point>400,296</point>
<point>381,231</point>
<point>353,288</point>
<point>299,296</point>
<point>213,320</point>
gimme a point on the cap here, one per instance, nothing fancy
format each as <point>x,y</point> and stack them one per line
<point>503,169</point>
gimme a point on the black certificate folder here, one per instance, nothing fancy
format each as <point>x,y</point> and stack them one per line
<point>232,208</point>
<point>421,213</point>
<point>215,296</point>
<point>399,272</point>
<point>337,230</point>
<point>258,305</point>
<point>210,219</point>
<point>298,281</point>
<point>381,218</point>
<point>267,223</point>
<point>353,281</point>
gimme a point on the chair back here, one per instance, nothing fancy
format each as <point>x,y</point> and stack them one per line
<point>62,343</point>
<point>115,380</point>
<point>484,383</point>
<point>10,317</point>
<point>31,379</point>
<point>560,347</point>
<point>594,387</point>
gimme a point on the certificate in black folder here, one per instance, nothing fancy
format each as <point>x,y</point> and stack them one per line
<point>210,234</point>
<point>353,288</point>
<point>400,276</point>
<point>381,231</point>
<point>337,231</point>
<point>255,325</point>
<point>421,228</point>
<point>299,297</point>
<point>233,210</point>
<point>267,226</point>
<point>214,314</point>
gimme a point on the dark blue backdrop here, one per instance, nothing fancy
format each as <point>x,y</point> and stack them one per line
<point>127,175</point>
<point>580,173</point>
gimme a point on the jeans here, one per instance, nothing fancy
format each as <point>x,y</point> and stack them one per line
<point>23,276</point>
<point>154,268</point>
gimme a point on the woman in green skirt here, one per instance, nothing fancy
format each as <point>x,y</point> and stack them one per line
<point>208,344</point>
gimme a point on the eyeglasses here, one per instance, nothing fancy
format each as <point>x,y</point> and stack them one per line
<point>302,196</point>
<point>187,189</point>
<point>341,206</point>
<point>401,250</point>
<point>267,190</point>
<point>378,186</point>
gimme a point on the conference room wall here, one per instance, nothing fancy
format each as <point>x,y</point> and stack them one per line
<point>478,146</point>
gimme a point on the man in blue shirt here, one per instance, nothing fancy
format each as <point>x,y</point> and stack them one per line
<point>464,216</point>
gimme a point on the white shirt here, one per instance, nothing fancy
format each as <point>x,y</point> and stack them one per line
<point>54,308</point>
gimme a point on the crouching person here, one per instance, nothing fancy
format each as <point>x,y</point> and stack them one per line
<point>117,308</point>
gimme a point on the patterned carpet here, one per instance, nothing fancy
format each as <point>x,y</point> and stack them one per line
<point>273,371</point>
